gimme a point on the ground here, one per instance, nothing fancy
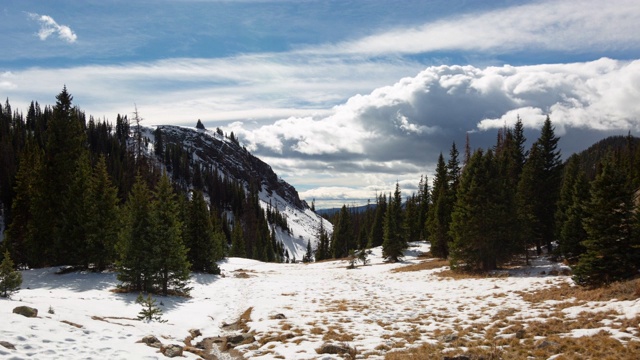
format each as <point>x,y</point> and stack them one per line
<point>393,311</point>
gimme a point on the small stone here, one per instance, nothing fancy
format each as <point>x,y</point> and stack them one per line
<point>152,341</point>
<point>8,345</point>
<point>195,333</point>
<point>279,317</point>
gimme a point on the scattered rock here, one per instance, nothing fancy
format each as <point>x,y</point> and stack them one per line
<point>240,338</point>
<point>449,338</point>
<point>152,341</point>
<point>458,357</point>
<point>171,350</point>
<point>195,333</point>
<point>546,343</point>
<point>279,317</point>
<point>337,349</point>
<point>26,311</point>
<point>8,345</point>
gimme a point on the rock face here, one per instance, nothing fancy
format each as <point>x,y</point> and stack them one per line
<point>232,160</point>
<point>26,311</point>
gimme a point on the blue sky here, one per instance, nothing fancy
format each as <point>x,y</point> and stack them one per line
<point>342,98</point>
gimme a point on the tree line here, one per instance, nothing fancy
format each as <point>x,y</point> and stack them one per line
<point>499,204</point>
<point>85,193</point>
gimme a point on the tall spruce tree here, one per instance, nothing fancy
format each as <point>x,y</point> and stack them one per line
<point>137,254</point>
<point>10,278</point>
<point>376,235</point>
<point>550,181</point>
<point>343,238</point>
<point>612,246</point>
<point>439,215</point>
<point>394,242</point>
<point>206,245</point>
<point>169,255</point>
<point>322,252</point>
<point>102,222</point>
<point>530,203</point>
<point>573,198</point>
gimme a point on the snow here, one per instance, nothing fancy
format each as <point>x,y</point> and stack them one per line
<point>370,307</point>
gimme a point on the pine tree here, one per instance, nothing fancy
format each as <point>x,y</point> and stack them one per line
<point>322,252</point>
<point>150,311</point>
<point>574,195</point>
<point>394,242</point>
<point>612,246</point>
<point>138,256</point>
<point>376,235</point>
<point>206,245</point>
<point>550,181</point>
<point>343,239</point>
<point>439,215</point>
<point>169,255</point>
<point>308,256</point>
<point>529,202</point>
<point>101,225</point>
<point>237,242</point>
<point>10,279</point>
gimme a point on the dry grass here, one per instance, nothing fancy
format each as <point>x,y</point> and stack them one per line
<point>423,265</point>
<point>624,290</point>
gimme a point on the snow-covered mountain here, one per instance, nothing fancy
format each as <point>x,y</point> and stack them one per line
<point>212,149</point>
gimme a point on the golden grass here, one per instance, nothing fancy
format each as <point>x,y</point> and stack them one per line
<point>423,265</point>
<point>624,290</point>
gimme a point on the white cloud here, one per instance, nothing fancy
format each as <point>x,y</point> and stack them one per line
<point>48,27</point>
<point>550,25</point>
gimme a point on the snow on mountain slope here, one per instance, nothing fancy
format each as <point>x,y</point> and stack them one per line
<point>211,149</point>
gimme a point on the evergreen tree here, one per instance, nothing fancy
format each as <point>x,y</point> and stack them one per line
<point>322,252</point>
<point>376,235</point>
<point>574,195</point>
<point>394,242</point>
<point>101,226</point>
<point>169,254</point>
<point>479,218</point>
<point>439,215</point>
<point>237,242</point>
<point>138,256</point>
<point>10,279</point>
<point>612,246</point>
<point>206,245</point>
<point>424,203</point>
<point>308,256</point>
<point>550,181</point>
<point>150,311</point>
<point>343,239</point>
<point>530,204</point>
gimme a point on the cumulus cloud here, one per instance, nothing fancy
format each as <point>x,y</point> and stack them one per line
<point>48,27</point>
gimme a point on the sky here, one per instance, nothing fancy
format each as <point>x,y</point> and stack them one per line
<point>344,99</point>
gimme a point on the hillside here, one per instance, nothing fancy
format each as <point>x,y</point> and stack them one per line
<point>291,310</point>
<point>212,151</point>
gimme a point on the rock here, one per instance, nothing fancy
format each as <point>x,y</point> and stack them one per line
<point>240,338</point>
<point>279,317</point>
<point>337,349</point>
<point>26,311</point>
<point>171,350</point>
<point>449,338</point>
<point>152,341</point>
<point>520,334</point>
<point>195,333</point>
<point>458,357</point>
<point>546,343</point>
<point>8,345</point>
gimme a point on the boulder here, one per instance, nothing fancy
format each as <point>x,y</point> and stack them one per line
<point>171,350</point>
<point>240,338</point>
<point>26,311</point>
<point>152,341</point>
<point>336,349</point>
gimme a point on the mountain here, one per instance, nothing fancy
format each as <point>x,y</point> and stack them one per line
<point>593,155</point>
<point>212,150</point>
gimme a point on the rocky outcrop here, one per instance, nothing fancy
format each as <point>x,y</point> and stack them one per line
<point>232,160</point>
<point>171,350</point>
<point>337,349</point>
